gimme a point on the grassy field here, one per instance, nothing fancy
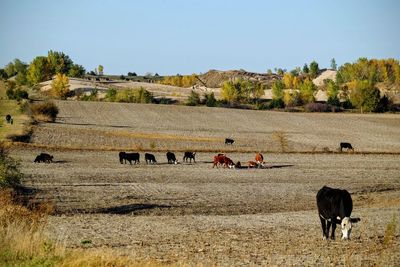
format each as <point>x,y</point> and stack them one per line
<point>20,120</point>
<point>193,214</point>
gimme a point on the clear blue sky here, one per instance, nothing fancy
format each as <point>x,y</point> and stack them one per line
<point>193,36</point>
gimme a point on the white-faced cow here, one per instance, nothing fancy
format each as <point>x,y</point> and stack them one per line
<point>123,157</point>
<point>171,158</point>
<point>335,207</point>
<point>348,146</point>
<point>189,155</point>
<point>229,141</point>
<point>150,158</point>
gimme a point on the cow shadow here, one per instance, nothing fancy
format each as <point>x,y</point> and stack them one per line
<point>130,208</point>
<point>267,167</point>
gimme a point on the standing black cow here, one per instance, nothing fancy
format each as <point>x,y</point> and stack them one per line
<point>150,158</point>
<point>335,207</point>
<point>346,145</point>
<point>189,155</point>
<point>123,157</point>
<point>8,118</point>
<point>229,141</point>
<point>43,157</point>
<point>171,158</point>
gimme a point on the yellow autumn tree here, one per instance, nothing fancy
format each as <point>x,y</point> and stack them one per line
<point>60,86</point>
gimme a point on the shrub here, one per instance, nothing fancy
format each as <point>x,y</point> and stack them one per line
<point>10,175</point>
<point>291,98</point>
<point>318,107</point>
<point>134,96</point>
<point>210,100</point>
<point>276,103</point>
<point>193,99</point>
<point>111,95</point>
<point>45,111</point>
<point>365,96</point>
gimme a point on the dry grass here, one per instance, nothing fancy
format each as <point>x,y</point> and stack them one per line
<point>24,242</point>
<point>21,121</point>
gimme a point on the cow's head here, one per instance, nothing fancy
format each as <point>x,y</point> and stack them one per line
<point>346,226</point>
<point>176,162</point>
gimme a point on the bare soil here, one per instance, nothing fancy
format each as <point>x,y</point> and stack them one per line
<point>193,214</point>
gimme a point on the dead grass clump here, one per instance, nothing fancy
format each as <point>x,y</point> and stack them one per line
<point>45,111</point>
<point>390,232</point>
<point>282,139</point>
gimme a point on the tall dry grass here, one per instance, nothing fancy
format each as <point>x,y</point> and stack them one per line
<point>24,241</point>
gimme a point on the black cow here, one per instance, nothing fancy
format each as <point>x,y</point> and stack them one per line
<point>335,207</point>
<point>43,157</point>
<point>171,158</point>
<point>8,118</point>
<point>229,141</point>
<point>346,145</point>
<point>189,155</point>
<point>150,158</point>
<point>123,157</point>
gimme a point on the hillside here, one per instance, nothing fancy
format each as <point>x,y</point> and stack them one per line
<point>215,78</point>
<point>118,125</point>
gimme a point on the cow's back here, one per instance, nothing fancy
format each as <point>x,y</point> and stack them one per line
<point>333,202</point>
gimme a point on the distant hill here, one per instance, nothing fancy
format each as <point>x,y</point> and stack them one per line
<point>215,78</point>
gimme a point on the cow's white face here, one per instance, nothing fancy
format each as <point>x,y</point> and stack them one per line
<point>346,227</point>
<point>176,162</point>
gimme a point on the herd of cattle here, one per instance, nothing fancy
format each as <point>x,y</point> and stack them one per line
<point>219,160</point>
<point>334,205</point>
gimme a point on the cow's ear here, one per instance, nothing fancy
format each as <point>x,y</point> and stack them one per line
<point>355,220</point>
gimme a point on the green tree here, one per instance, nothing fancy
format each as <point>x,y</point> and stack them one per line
<point>307,90</point>
<point>306,70</point>
<point>314,69</point>
<point>365,96</point>
<point>277,90</point>
<point>230,92</point>
<point>332,90</point>
<point>59,62</point>
<point>39,70</point>
<point>77,71</point>
<point>333,64</point>
<point>60,86</point>
<point>10,70</point>
<point>100,69</point>
<point>291,98</point>
<point>193,99</point>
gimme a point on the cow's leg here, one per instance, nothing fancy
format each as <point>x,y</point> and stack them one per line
<point>323,225</point>
<point>328,227</point>
<point>333,231</point>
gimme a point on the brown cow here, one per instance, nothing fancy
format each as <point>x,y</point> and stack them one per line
<point>221,159</point>
<point>259,159</point>
<point>252,164</point>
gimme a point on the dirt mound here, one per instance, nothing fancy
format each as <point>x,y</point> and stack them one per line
<point>215,78</point>
<point>325,75</point>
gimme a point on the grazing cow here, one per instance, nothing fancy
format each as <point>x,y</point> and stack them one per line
<point>259,159</point>
<point>335,207</point>
<point>8,118</point>
<point>43,157</point>
<point>189,155</point>
<point>171,158</point>
<point>229,141</point>
<point>221,159</point>
<point>150,158</point>
<point>346,145</point>
<point>123,157</point>
<point>252,164</point>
